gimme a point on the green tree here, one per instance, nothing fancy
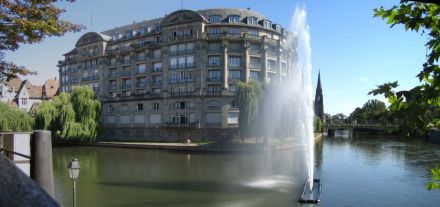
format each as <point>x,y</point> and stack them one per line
<point>372,112</point>
<point>71,116</point>
<point>14,119</point>
<point>318,124</point>
<point>27,22</point>
<point>248,97</point>
<point>417,110</point>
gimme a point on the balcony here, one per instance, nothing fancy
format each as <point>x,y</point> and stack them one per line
<point>141,85</point>
<point>156,83</point>
<point>141,72</point>
<point>113,75</point>
<point>125,86</point>
<point>90,78</point>
<point>254,51</point>
<point>112,87</point>
<point>213,65</point>
<point>125,73</point>
<point>156,56</point>
<point>181,94</point>
<point>214,79</point>
<point>182,66</point>
<point>182,52</point>
<point>156,70</point>
<point>181,80</point>
<point>214,92</point>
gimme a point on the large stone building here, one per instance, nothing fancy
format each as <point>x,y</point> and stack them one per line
<point>175,76</point>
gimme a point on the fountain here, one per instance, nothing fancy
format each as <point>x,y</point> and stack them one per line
<point>288,104</point>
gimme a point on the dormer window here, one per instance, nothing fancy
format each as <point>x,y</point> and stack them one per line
<point>252,20</point>
<point>267,24</point>
<point>278,28</point>
<point>215,18</point>
<point>234,19</point>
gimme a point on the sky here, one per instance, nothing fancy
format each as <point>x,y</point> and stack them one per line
<point>354,51</point>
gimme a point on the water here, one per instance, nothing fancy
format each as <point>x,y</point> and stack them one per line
<point>359,171</point>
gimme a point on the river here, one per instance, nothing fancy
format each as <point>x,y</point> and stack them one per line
<point>356,171</point>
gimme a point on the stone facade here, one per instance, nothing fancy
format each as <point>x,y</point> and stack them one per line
<point>175,77</point>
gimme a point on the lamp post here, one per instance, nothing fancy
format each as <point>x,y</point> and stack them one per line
<point>74,173</point>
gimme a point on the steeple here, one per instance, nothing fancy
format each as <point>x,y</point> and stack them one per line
<point>319,99</point>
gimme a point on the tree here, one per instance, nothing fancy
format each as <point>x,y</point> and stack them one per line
<point>14,119</point>
<point>372,112</point>
<point>418,108</point>
<point>248,97</point>
<point>338,118</point>
<point>27,22</point>
<point>71,116</point>
<point>318,125</point>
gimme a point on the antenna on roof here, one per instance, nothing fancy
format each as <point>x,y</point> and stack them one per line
<point>91,20</point>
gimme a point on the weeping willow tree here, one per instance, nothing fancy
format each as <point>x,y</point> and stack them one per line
<point>14,119</point>
<point>71,116</point>
<point>249,98</point>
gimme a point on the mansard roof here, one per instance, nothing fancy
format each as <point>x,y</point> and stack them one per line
<point>91,37</point>
<point>182,16</point>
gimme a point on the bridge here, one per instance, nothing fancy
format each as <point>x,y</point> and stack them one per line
<point>367,128</point>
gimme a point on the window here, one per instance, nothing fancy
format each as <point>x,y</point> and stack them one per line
<point>253,33</point>
<point>155,106</point>
<point>213,60</point>
<point>190,61</point>
<point>24,101</point>
<point>124,107</point>
<point>157,28</point>
<point>234,19</point>
<point>156,53</point>
<point>214,88</point>
<point>126,59</point>
<point>157,67</point>
<point>213,46</point>
<point>214,75</point>
<point>234,31</point>
<point>252,20</point>
<point>235,75</point>
<point>113,61</point>
<point>141,82</point>
<point>255,62</point>
<point>267,24</point>
<point>272,65</point>
<point>215,18</point>
<point>255,75</point>
<point>141,56</point>
<point>213,105</point>
<point>140,107</point>
<point>215,31</point>
<point>234,61</point>
<point>141,68</point>
<point>181,62</point>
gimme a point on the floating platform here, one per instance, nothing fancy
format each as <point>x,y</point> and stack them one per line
<point>312,196</point>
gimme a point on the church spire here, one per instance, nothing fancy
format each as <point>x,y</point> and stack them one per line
<point>319,99</point>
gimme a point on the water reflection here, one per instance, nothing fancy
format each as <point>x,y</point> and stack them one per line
<point>355,171</point>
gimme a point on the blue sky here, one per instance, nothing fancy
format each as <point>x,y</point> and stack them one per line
<point>354,51</point>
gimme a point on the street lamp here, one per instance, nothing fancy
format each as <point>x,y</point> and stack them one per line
<point>74,173</point>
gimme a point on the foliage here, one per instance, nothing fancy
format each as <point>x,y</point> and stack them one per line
<point>14,119</point>
<point>435,183</point>
<point>318,125</point>
<point>417,110</point>
<point>71,116</point>
<point>248,97</point>
<point>372,112</point>
<point>27,22</point>
<point>338,119</point>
